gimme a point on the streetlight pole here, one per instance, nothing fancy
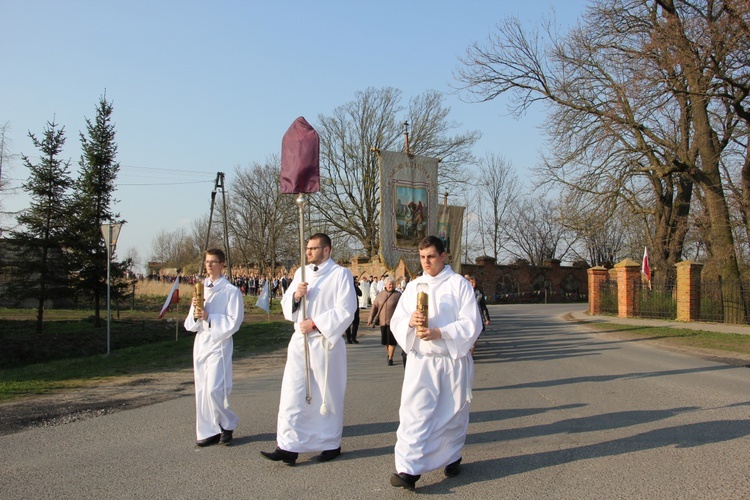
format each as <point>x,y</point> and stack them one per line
<point>110,233</point>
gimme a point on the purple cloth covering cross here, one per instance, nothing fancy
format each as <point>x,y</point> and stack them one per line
<point>300,159</point>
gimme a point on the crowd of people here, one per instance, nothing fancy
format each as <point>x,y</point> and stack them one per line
<point>246,283</point>
<point>323,300</point>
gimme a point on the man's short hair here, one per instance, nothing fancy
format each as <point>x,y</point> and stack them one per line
<point>432,241</point>
<point>218,253</point>
<point>325,240</point>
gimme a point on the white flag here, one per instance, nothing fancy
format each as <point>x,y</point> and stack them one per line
<point>263,300</point>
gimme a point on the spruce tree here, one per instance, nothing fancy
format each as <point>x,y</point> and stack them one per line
<point>40,269</point>
<point>92,201</point>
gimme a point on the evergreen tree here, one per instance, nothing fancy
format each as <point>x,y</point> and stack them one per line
<point>40,270</point>
<point>92,201</point>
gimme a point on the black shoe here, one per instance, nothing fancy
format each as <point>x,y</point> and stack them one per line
<point>288,457</point>
<point>390,362</point>
<point>404,480</point>
<point>329,455</point>
<point>453,469</point>
<point>355,341</point>
<point>208,441</point>
<point>226,436</point>
<point>349,342</point>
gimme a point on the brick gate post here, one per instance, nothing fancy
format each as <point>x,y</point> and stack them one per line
<point>628,279</point>
<point>688,290</point>
<point>597,276</point>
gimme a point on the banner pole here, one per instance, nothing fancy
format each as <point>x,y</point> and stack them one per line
<point>301,202</point>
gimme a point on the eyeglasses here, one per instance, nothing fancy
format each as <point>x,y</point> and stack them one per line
<point>210,262</point>
<point>312,249</point>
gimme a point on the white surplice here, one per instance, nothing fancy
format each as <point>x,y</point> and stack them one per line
<point>331,303</point>
<point>212,356</point>
<point>435,395</point>
<point>364,285</point>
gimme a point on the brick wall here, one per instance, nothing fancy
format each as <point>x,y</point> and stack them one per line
<point>494,279</point>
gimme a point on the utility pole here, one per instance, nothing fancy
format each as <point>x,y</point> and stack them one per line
<point>219,184</point>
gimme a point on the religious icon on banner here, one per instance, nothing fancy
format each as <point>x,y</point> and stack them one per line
<point>449,230</point>
<point>408,201</point>
<point>444,234</point>
<point>410,209</point>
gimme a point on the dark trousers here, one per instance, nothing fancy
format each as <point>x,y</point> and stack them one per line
<point>351,332</point>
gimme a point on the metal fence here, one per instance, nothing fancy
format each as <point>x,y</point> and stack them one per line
<point>608,293</point>
<point>651,303</point>
<point>655,302</point>
<point>724,301</point>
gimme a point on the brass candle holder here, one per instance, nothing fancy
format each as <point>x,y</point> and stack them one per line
<point>198,294</point>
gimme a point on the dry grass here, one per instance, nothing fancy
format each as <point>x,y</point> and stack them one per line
<point>161,289</point>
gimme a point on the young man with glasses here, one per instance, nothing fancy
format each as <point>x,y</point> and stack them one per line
<point>219,317</point>
<point>330,303</point>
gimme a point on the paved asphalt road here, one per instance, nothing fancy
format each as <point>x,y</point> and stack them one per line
<point>558,412</point>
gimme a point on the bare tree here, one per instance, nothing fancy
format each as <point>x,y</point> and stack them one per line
<point>638,111</point>
<point>4,151</point>
<point>730,38</point>
<point>262,221</point>
<point>614,131</point>
<point>535,232</point>
<point>349,200</point>
<point>182,248</point>
<point>133,256</point>
<point>5,158</point>
<point>472,245</point>
<point>167,246</point>
<point>604,236</point>
<point>498,188</point>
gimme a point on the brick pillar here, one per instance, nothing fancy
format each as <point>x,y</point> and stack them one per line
<point>688,290</point>
<point>628,279</point>
<point>597,276</point>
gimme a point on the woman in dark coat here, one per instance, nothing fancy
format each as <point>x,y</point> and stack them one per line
<point>481,303</point>
<point>382,309</point>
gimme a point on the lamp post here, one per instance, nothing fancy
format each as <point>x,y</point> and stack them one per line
<point>110,233</point>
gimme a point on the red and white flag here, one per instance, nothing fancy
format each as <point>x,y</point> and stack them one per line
<point>646,265</point>
<point>173,298</point>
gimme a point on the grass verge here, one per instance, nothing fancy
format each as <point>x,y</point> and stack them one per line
<point>684,337</point>
<point>165,355</point>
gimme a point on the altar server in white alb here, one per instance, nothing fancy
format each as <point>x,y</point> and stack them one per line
<point>331,302</point>
<point>220,316</point>
<point>436,392</point>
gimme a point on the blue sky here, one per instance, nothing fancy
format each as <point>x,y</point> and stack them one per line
<point>200,87</point>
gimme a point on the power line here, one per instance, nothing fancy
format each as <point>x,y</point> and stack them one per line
<point>164,183</point>
<point>168,170</point>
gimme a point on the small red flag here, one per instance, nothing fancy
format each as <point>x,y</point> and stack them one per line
<point>300,159</point>
<point>646,265</point>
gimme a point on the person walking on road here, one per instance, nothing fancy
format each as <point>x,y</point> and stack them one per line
<point>436,391</point>
<point>382,310</point>
<point>481,303</point>
<point>351,331</point>
<point>219,317</point>
<point>316,425</point>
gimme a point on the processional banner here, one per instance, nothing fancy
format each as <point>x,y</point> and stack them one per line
<point>450,230</point>
<point>408,206</point>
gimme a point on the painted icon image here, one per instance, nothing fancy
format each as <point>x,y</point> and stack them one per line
<point>410,207</point>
